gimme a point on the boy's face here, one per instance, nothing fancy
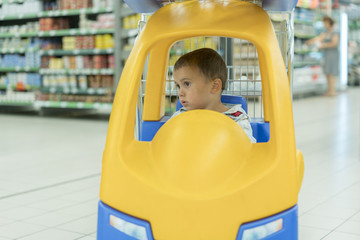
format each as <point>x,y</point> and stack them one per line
<point>194,88</point>
<point>327,24</point>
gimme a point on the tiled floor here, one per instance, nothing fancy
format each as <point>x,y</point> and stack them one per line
<point>328,133</point>
<point>50,172</point>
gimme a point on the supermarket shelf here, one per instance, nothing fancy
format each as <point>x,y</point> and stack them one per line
<point>74,12</point>
<point>11,1</point>
<point>304,36</point>
<point>305,6</point>
<point>13,103</point>
<point>56,13</point>
<point>299,21</point>
<point>59,33</point>
<point>13,87</point>
<point>19,17</point>
<point>26,34</point>
<point>74,32</point>
<point>72,98</point>
<point>60,52</point>
<point>18,50</point>
<point>104,71</point>
<point>305,64</point>
<point>302,52</point>
<point>67,90</point>
<point>18,69</point>
<point>73,105</point>
<point>105,107</point>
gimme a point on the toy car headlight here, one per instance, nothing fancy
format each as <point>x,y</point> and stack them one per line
<point>262,231</point>
<point>128,228</point>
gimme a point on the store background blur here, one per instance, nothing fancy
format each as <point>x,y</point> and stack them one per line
<point>68,55</point>
<point>60,62</point>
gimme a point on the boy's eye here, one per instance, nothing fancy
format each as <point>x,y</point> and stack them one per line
<point>177,86</point>
<point>187,84</point>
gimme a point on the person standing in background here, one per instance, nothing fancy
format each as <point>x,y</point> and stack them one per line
<point>328,43</point>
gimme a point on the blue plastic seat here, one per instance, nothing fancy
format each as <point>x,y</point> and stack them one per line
<point>261,130</point>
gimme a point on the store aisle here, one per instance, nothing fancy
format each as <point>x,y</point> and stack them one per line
<point>328,133</point>
<point>50,172</point>
<point>49,175</point>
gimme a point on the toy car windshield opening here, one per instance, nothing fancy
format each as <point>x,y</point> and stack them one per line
<point>243,81</point>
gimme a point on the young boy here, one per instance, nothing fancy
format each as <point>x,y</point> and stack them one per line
<point>200,77</point>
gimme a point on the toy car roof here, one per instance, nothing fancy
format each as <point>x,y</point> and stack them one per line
<point>149,6</point>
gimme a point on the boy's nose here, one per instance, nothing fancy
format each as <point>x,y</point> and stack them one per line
<point>181,93</point>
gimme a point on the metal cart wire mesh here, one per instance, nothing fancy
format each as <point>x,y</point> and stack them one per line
<point>241,58</point>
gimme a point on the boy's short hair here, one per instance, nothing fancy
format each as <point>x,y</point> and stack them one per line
<point>208,61</point>
<point>328,19</point>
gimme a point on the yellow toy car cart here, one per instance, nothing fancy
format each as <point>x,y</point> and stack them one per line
<point>198,177</point>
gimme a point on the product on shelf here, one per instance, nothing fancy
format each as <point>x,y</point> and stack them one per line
<point>48,24</point>
<point>16,43</point>
<point>45,61</point>
<point>85,42</point>
<point>308,3</point>
<point>82,82</point>
<point>51,43</point>
<point>104,21</point>
<point>50,5</point>
<point>78,62</point>
<point>72,4</point>
<point>17,97</point>
<point>23,28</point>
<point>87,62</point>
<point>131,22</point>
<point>26,7</point>
<point>69,43</point>
<point>84,22</point>
<point>31,60</point>
<point>105,41</point>
<point>26,79</point>
<point>101,81</point>
<point>56,63</point>
<point>111,61</point>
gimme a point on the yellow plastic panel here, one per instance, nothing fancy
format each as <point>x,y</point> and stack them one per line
<point>201,178</point>
<point>155,83</point>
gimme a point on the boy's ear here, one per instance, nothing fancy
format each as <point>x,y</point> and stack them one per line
<point>216,85</point>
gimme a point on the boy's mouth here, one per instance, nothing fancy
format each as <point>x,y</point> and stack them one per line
<point>184,103</point>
